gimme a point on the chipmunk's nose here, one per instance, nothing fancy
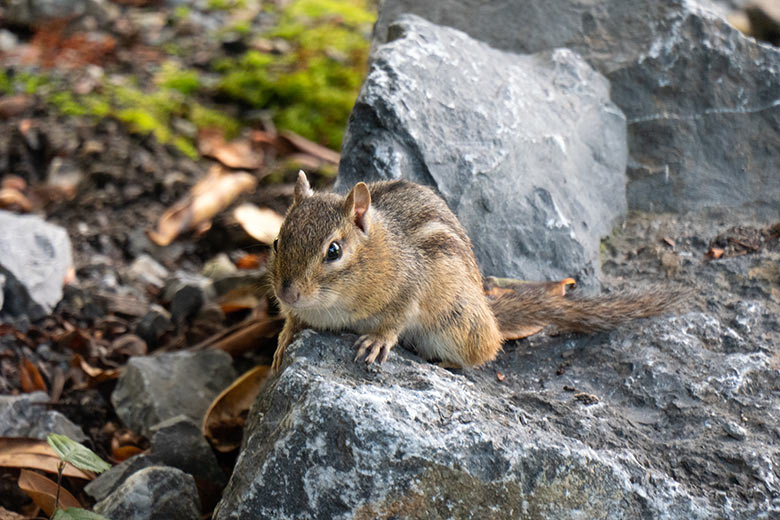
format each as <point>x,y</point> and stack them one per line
<point>288,293</point>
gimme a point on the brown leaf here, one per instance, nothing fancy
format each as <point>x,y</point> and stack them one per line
<point>239,299</point>
<point>248,261</point>
<point>11,106</point>
<point>12,199</point>
<point>669,242</point>
<point>249,336</point>
<point>224,420</point>
<point>715,253</point>
<point>20,452</point>
<point>5,514</point>
<point>30,377</point>
<point>43,491</point>
<point>128,345</point>
<point>122,453</point>
<point>311,148</point>
<point>234,154</point>
<point>95,374</point>
<point>262,224</point>
<point>208,197</point>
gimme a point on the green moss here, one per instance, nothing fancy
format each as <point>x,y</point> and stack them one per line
<point>311,89</point>
<point>6,84</point>
<point>203,117</point>
<point>172,76</point>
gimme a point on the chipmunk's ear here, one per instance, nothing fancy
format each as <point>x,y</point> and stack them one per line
<point>302,188</point>
<point>357,204</point>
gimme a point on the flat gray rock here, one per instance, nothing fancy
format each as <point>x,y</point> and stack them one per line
<point>702,100</point>
<point>528,151</point>
<point>27,415</point>
<point>155,388</point>
<point>153,493</point>
<point>35,257</point>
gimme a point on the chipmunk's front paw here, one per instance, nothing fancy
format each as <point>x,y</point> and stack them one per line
<point>373,348</point>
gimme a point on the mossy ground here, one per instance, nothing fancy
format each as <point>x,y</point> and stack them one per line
<point>308,87</point>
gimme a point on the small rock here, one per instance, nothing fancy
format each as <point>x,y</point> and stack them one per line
<point>26,415</point>
<point>533,165</point>
<point>108,481</point>
<point>147,270</point>
<point>735,431</point>
<point>155,388</point>
<point>178,442</point>
<point>187,293</point>
<point>153,325</point>
<point>8,40</point>
<point>154,493</point>
<point>219,267</point>
<point>35,257</point>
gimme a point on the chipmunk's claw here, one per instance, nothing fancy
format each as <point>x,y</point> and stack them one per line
<point>372,348</point>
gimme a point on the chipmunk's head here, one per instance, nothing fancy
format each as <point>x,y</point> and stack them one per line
<point>316,255</point>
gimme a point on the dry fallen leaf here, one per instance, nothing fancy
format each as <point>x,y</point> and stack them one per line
<point>669,242</point>
<point>310,147</point>
<point>234,154</point>
<point>95,374</point>
<point>43,491</point>
<point>262,224</point>
<point>20,452</point>
<point>248,261</point>
<point>11,198</point>
<point>30,377</point>
<point>715,253</point>
<point>224,421</point>
<point>208,197</point>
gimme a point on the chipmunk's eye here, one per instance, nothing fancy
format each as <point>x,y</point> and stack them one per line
<point>334,252</point>
<point>276,245</point>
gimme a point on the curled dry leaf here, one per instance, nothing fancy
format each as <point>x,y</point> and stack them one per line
<point>43,491</point>
<point>30,377</point>
<point>208,197</point>
<point>20,452</point>
<point>12,199</point>
<point>224,421</point>
<point>262,224</point>
<point>311,148</point>
<point>234,154</point>
<point>715,253</point>
<point>248,261</point>
<point>95,374</point>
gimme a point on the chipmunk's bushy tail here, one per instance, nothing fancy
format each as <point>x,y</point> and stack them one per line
<point>534,306</point>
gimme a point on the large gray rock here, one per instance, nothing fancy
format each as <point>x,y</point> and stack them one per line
<point>35,257</point>
<point>701,99</point>
<point>331,439</point>
<point>528,151</point>
<point>155,388</point>
<point>154,493</point>
<point>27,415</point>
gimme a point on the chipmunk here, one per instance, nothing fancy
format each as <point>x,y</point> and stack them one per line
<point>391,262</point>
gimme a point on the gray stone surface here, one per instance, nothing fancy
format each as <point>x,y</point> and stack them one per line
<point>528,151</point>
<point>35,256</point>
<point>701,99</point>
<point>684,421</point>
<point>155,388</point>
<point>110,480</point>
<point>154,493</point>
<point>178,442</point>
<point>27,415</point>
<point>331,439</point>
